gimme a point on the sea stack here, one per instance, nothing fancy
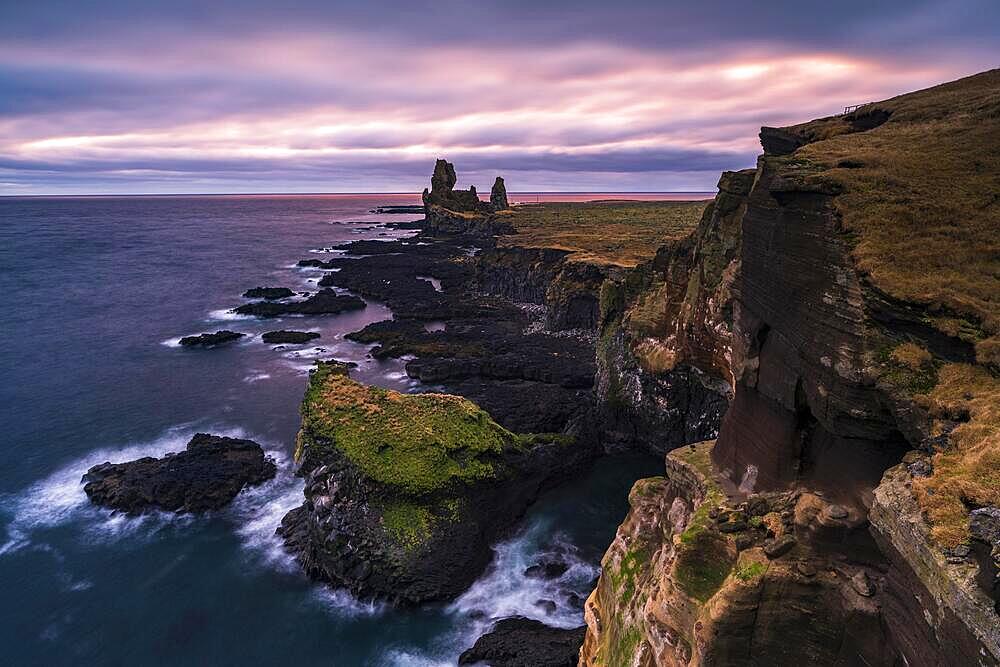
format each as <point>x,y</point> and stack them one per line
<point>498,196</point>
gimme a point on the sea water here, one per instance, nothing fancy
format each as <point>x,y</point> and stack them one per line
<point>97,292</point>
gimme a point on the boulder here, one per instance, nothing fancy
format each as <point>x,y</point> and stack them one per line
<point>780,141</point>
<point>522,642</point>
<point>207,475</point>
<point>289,337</point>
<point>269,293</point>
<point>323,302</point>
<point>211,339</point>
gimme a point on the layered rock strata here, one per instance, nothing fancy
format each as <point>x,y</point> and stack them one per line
<point>864,396</point>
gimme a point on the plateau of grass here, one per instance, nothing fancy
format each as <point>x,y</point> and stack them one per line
<point>921,194</point>
<point>618,233</point>
<point>419,444</point>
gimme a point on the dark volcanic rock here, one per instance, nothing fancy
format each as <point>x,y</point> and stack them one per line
<point>207,475</point>
<point>414,522</point>
<point>522,642</point>
<point>498,195</point>
<point>549,569</point>
<point>323,302</point>
<point>269,293</point>
<point>779,141</point>
<point>443,194</point>
<point>291,337</point>
<point>397,209</point>
<point>211,339</point>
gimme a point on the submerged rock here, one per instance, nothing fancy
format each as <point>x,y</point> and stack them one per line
<point>211,339</point>
<point>323,302</point>
<point>289,337</point>
<point>207,475</point>
<point>522,642</point>
<point>269,293</point>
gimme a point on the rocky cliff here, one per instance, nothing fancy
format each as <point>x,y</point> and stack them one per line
<point>843,297</point>
<point>405,494</point>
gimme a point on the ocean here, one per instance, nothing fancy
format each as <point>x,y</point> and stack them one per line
<point>98,291</point>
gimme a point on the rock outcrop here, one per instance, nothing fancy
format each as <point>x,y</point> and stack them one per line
<point>269,293</point>
<point>522,642</point>
<point>323,302</point>
<point>211,339</point>
<point>699,575</point>
<point>207,475</point>
<point>452,211</point>
<point>288,337</point>
<point>498,195</point>
<point>443,193</point>
<point>404,494</point>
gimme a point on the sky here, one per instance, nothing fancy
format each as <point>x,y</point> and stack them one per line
<point>182,96</point>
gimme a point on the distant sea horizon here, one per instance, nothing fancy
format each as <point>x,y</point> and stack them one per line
<point>638,194</point>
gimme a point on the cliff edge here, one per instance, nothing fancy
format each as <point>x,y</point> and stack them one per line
<point>844,299</point>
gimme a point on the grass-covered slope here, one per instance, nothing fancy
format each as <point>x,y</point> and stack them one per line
<point>921,194</point>
<point>617,233</point>
<point>419,444</point>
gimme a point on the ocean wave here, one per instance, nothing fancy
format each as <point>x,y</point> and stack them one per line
<point>59,498</point>
<point>258,511</point>
<point>505,590</point>
<point>226,315</point>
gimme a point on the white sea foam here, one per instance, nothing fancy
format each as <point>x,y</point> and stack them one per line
<point>258,511</point>
<point>505,590</point>
<point>59,498</point>
<point>435,282</point>
<point>172,342</point>
<point>256,376</point>
<point>340,602</point>
<point>226,315</point>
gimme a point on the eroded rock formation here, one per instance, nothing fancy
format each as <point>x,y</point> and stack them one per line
<point>207,475</point>
<point>212,339</point>
<point>863,407</point>
<point>405,493</point>
<point>498,195</point>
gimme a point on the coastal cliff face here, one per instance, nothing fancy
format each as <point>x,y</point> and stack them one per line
<point>664,377</point>
<point>853,330</point>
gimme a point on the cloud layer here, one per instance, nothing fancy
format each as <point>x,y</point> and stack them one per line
<point>323,97</point>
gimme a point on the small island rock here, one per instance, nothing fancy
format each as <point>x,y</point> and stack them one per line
<point>211,339</point>
<point>289,337</point>
<point>207,475</point>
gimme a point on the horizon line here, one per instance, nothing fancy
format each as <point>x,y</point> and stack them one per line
<point>321,194</point>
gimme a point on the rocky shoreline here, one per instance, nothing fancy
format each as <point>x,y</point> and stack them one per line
<point>819,502</point>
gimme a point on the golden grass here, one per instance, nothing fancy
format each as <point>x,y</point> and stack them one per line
<point>968,474</point>
<point>911,355</point>
<point>922,195</point>
<point>617,233</point>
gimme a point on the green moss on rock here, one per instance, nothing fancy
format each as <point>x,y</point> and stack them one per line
<point>418,444</point>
